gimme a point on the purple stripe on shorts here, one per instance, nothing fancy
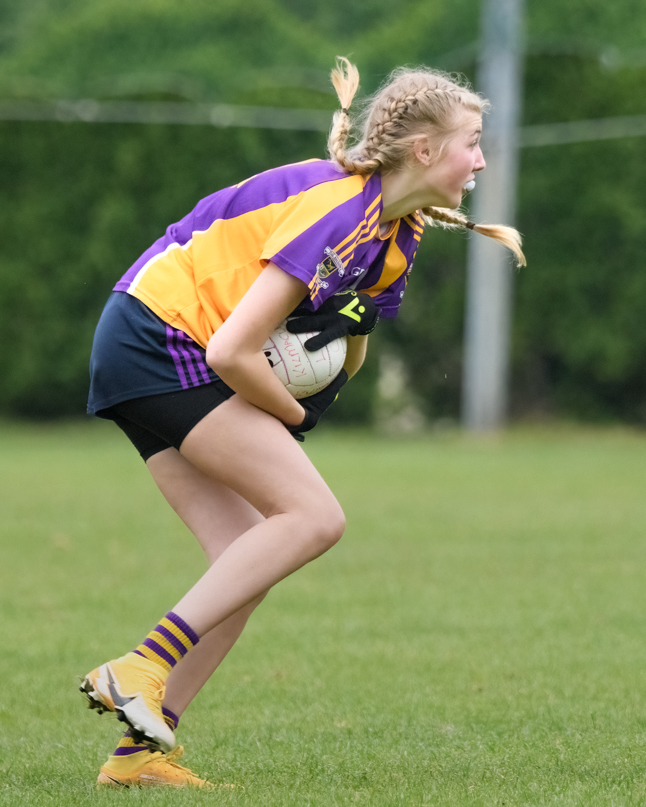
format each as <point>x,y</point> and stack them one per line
<point>201,366</point>
<point>182,347</point>
<point>172,639</point>
<point>126,750</point>
<point>157,648</point>
<point>170,334</point>
<point>187,629</point>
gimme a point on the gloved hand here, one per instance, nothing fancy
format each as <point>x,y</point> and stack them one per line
<point>348,313</point>
<point>316,404</point>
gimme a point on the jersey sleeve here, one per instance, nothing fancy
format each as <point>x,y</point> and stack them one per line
<point>309,232</point>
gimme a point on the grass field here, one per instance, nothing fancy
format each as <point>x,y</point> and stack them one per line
<point>477,638</point>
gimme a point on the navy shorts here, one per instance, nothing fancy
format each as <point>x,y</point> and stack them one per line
<point>150,378</point>
<point>135,353</point>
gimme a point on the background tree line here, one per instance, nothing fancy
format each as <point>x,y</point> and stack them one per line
<point>79,202</point>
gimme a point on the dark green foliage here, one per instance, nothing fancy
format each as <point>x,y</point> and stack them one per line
<point>580,344</point>
<point>215,50</point>
<point>80,203</point>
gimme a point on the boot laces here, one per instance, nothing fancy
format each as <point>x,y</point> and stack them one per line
<point>151,689</point>
<point>172,757</point>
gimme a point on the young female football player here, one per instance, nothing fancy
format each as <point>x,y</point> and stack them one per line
<point>177,363</point>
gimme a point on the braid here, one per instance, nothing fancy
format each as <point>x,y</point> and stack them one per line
<point>339,134</point>
<point>454,220</point>
<point>448,219</point>
<point>345,78</point>
<point>392,115</point>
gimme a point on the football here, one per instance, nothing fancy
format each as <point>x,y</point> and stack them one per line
<point>303,372</point>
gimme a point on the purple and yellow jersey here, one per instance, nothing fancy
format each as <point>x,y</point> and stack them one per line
<point>311,220</point>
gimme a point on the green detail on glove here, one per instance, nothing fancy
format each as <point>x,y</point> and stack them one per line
<point>348,312</point>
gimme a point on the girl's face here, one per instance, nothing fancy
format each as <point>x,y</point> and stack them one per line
<point>461,159</point>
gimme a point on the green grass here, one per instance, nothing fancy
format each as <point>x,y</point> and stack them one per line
<point>477,638</point>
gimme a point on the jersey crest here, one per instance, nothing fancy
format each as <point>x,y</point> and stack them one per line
<point>330,264</point>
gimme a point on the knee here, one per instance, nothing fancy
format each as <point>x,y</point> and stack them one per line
<point>326,526</point>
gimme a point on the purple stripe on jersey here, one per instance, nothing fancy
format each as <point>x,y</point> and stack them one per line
<point>157,648</point>
<point>183,626</point>
<point>172,639</point>
<point>371,190</point>
<point>270,187</point>
<point>201,366</point>
<point>182,349</point>
<point>170,335</point>
<point>124,751</point>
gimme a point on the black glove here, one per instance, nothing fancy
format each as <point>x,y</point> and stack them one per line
<point>348,313</point>
<point>316,404</point>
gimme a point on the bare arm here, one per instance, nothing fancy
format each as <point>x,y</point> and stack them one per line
<point>357,347</point>
<point>235,349</point>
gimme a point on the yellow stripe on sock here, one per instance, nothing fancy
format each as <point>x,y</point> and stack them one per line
<point>177,632</point>
<point>168,647</point>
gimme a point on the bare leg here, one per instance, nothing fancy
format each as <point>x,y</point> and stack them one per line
<point>236,455</point>
<point>252,453</point>
<point>216,516</point>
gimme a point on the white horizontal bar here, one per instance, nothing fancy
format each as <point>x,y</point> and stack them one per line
<point>90,111</point>
<point>554,134</point>
<point>266,117</point>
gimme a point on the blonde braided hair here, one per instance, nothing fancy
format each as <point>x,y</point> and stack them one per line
<point>410,103</point>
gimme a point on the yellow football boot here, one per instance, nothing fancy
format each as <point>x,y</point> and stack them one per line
<point>150,769</point>
<point>134,688</point>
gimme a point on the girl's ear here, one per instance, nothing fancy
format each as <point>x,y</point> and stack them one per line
<point>422,149</point>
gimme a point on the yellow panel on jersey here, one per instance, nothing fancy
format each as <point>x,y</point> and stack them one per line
<point>395,266</point>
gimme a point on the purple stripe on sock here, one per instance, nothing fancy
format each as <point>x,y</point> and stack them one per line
<point>138,653</point>
<point>201,366</point>
<point>179,622</point>
<point>170,334</point>
<point>172,639</point>
<point>182,348</point>
<point>171,716</point>
<point>157,648</point>
<point>127,750</point>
